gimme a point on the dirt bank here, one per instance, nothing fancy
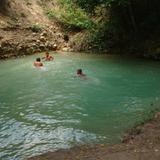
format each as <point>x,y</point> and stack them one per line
<point>25,29</point>
<point>141,143</point>
<point>18,41</point>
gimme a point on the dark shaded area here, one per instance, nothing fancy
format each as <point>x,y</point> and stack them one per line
<point>135,26</point>
<point>3,6</point>
<point>88,5</point>
<point>66,38</point>
<point>129,15</point>
<point>137,16</point>
<point>131,25</point>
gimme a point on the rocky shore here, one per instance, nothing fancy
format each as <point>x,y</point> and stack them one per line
<point>26,29</point>
<point>17,41</point>
<point>140,143</point>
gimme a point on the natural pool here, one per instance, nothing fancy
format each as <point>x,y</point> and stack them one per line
<point>48,109</point>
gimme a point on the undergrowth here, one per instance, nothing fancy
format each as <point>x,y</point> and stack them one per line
<point>71,16</point>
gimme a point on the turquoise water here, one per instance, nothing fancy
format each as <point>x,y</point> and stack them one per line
<point>48,109</point>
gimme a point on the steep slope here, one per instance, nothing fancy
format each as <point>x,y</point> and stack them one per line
<point>26,29</point>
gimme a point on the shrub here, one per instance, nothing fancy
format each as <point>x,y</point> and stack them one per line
<point>36,28</point>
<point>71,16</point>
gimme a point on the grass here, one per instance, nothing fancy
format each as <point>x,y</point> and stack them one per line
<point>71,16</point>
<point>36,28</point>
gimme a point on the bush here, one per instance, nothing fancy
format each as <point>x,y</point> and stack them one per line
<point>71,16</point>
<point>36,28</point>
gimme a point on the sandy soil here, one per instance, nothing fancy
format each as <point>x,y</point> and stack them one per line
<point>140,143</point>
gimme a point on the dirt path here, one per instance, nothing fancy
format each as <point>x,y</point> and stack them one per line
<point>141,143</point>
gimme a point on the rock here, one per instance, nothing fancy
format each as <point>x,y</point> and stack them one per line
<point>30,50</point>
<point>102,145</point>
<point>47,43</point>
<point>65,49</point>
<point>38,50</point>
<point>54,47</point>
<point>41,46</point>
<point>157,115</point>
<point>38,41</point>
<point>44,34</point>
<point>59,35</point>
<point>19,48</point>
<point>51,33</point>
<point>42,38</point>
<point>51,27</point>
<point>156,150</point>
<point>34,34</point>
<point>34,45</point>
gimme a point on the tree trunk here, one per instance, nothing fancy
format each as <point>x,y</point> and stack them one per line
<point>132,17</point>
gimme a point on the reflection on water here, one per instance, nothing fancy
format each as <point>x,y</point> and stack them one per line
<point>47,109</point>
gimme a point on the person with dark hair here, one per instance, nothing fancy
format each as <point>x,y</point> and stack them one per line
<point>47,57</point>
<point>80,73</point>
<point>38,63</point>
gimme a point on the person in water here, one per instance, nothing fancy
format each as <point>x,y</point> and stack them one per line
<point>48,57</point>
<point>38,63</point>
<point>80,73</point>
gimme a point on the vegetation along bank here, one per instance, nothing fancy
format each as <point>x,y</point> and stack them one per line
<point>107,26</point>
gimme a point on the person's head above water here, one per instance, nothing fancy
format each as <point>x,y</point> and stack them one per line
<point>38,62</point>
<point>38,59</point>
<point>48,57</point>
<point>79,71</point>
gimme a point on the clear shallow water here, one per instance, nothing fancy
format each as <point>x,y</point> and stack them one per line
<point>48,109</point>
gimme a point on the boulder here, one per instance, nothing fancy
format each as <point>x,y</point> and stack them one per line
<point>65,49</point>
<point>34,34</point>
<point>55,46</point>
<point>42,39</point>
<point>38,41</point>
<point>42,47</point>
<point>47,43</point>
<point>44,34</point>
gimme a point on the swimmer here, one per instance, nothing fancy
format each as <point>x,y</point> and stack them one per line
<point>80,73</point>
<point>48,57</point>
<point>38,63</point>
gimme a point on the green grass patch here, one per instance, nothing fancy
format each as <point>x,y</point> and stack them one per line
<point>36,28</point>
<point>71,16</point>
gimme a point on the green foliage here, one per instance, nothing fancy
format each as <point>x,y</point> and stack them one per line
<point>128,21</point>
<point>88,5</point>
<point>36,28</point>
<point>123,20</point>
<point>51,14</point>
<point>71,16</point>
